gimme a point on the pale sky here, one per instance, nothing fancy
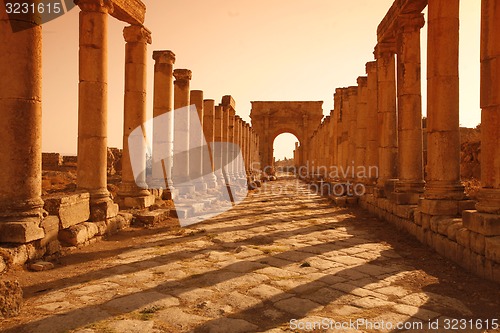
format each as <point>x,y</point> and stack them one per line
<point>253,50</point>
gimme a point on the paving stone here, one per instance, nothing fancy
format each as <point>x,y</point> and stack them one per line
<point>297,306</point>
<point>225,325</point>
<point>268,293</point>
<point>370,302</point>
<point>132,326</point>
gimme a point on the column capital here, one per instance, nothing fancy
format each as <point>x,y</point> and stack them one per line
<point>164,57</point>
<point>182,74</point>
<point>102,6</point>
<point>353,90</point>
<point>137,34</point>
<point>362,81</point>
<point>371,67</point>
<point>410,22</point>
<point>384,49</point>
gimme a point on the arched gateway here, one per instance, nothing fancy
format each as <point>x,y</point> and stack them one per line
<point>270,119</point>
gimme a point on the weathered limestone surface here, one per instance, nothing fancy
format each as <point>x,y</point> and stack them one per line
<point>21,121</point>
<point>180,172</point>
<point>133,189</point>
<point>70,208</point>
<point>163,130</point>
<point>11,298</point>
<point>410,183</point>
<point>92,107</point>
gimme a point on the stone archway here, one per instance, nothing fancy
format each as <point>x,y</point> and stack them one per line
<point>270,119</point>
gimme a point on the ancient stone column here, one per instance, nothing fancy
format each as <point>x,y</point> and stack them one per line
<point>181,169</point>
<point>133,189</point>
<point>336,130</point>
<point>197,150</point>
<point>489,196</point>
<point>352,93</point>
<point>371,158</point>
<point>410,184</point>
<point>209,131</point>
<point>387,121</point>
<point>163,126</point>
<point>219,140</point>
<point>339,95</point>
<point>443,137</point>
<point>21,120</point>
<point>93,108</point>
<point>240,174</point>
<point>361,129</point>
<point>486,220</point>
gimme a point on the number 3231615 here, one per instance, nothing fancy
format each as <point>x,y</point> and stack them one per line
<point>32,8</point>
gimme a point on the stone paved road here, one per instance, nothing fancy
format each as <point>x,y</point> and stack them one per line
<point>283,259</point>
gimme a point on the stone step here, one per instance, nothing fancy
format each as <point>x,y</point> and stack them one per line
<point>152,217</point>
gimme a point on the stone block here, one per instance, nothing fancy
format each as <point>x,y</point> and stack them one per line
<point>103,210</point>
<point>463,237</point>
<point>70,208</point>
<point>420,234</point>
<point>484,224</point>
<point>41,266</point>
<point>405,198</point>
<point>53,247</point>
<point>439,207</point>
<point>92,229</point>
<point>439,242</point>
<point>24,231</point>
<point>74,235</point>
<point>467,260</point>
<point>50,226</point>
<point>428,238</point>
<point>496,272</point>
<point>452,250</point>
<point>492,248</point>
<point>440,224</point>
<point>426,221</point>
<point>11,298</point>
<point>153,217</point>
<point>418,217</point>
<point>170,194</point>
<point>477,243</point>
<point>137,202</point>
<point>127,219</point>
<point>452,229</point>
<point>466,205</point>
<point>102,228</point>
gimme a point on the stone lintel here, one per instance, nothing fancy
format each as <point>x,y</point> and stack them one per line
<point>130,11</point>
<point>371,67</point>
<point>386,28</point>
<point>410,22</point>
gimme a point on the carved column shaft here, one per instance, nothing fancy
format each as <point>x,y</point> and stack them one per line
<point>361,126</point>
<point>489,196</point>
<point>181,169</point>
<point>197,151</point>
<point>410,139</point>
<point>137,38</point>
<point>93,107</point>
<point>163,126</point>
<point>443,137</point>
<point>21,121</point>
<point>371,158</point>
<point>387,129</point>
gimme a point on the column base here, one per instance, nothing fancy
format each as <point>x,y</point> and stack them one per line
<point>24,230</point>
<point>170,194</point>
<point>439,190</point>
<point>103,210</point>
<point>489,201</point>
<point>482,223</point>
<point>136,201</point>
<point>407,198</point>
<point>441,207</point>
